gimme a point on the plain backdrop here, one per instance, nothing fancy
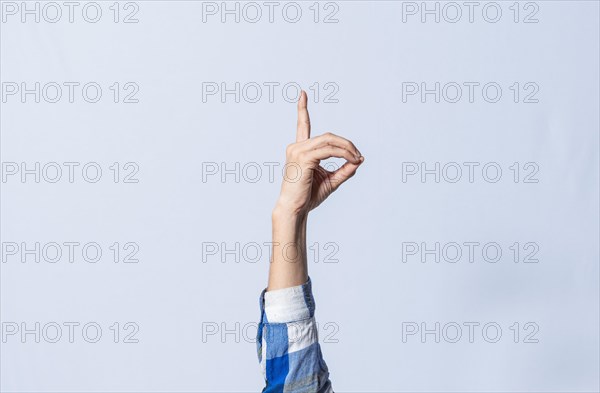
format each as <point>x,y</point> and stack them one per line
<point>372,244</point>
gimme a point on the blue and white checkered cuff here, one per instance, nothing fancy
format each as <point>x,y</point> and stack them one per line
<point>288,304</point>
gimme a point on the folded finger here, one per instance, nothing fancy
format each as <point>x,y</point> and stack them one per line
<point>334,140</point>
<point>329,151</point>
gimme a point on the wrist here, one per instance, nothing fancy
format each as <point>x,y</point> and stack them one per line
<point>284,213</point>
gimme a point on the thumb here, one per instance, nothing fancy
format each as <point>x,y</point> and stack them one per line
<point>344,173</point>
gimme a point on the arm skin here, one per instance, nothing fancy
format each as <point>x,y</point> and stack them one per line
<point>287,338</point>
<point>305,186</point>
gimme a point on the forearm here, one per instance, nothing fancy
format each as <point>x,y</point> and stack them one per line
<point>288,346</point>
<point>288,265</point>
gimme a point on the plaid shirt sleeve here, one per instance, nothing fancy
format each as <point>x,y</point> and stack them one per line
<point>288,344</point>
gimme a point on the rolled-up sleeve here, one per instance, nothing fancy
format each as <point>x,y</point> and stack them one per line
<point>288,344</point>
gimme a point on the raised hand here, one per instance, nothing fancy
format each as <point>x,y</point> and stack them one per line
<point>306,184</point>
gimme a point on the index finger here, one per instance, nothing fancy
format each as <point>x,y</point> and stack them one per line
<point>303,128</point>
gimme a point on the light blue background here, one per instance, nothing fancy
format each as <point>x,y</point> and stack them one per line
<point>369,293</point>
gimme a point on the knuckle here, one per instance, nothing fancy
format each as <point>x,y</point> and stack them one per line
<point>302,156</point>
<point>289,150</point>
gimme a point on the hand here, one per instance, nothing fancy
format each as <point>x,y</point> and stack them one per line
<point>306,184</point>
